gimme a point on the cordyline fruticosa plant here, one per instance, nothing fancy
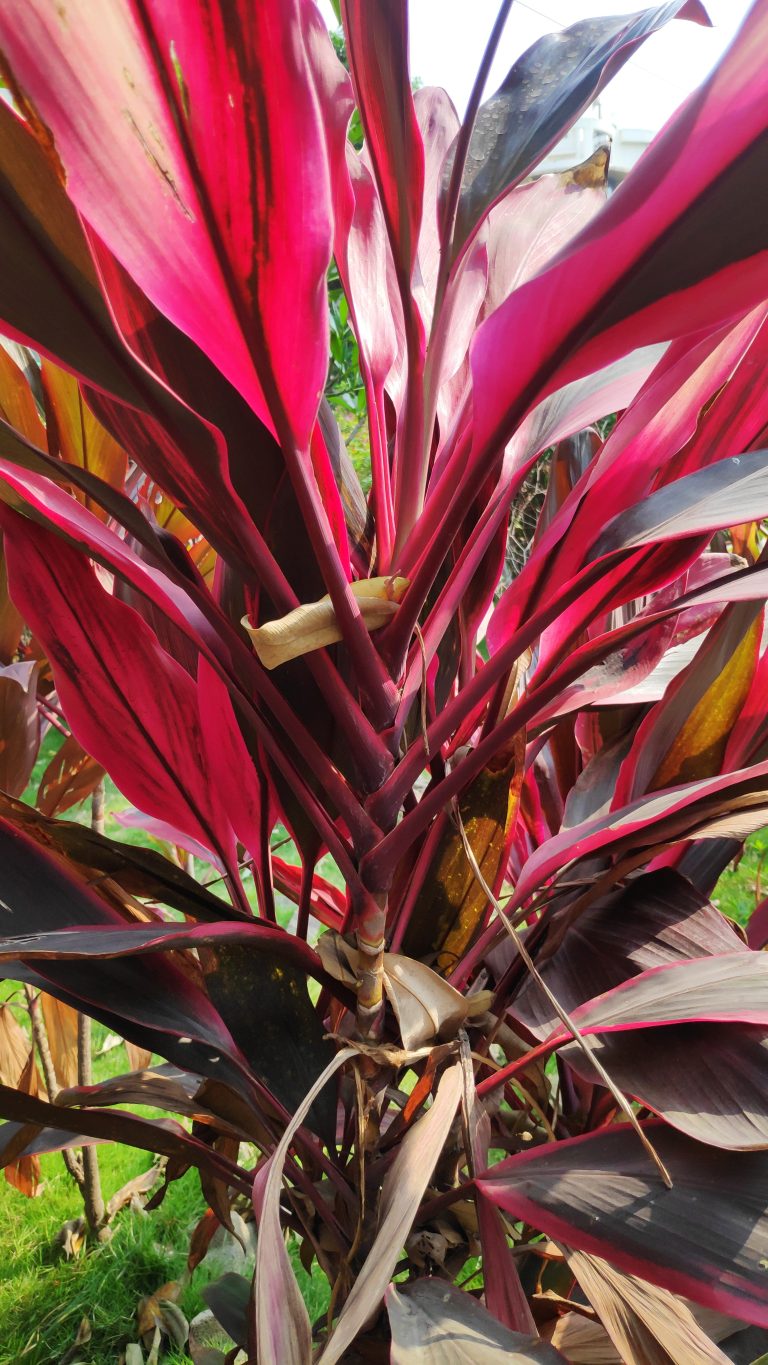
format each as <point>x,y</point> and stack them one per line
<point>524,1032</point>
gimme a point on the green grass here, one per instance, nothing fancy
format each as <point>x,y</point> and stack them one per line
<point>43,1297</point>
<point>745,881</point>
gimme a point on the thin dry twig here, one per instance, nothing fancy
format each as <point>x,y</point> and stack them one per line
<point>562,1014</point>
<point>423,692</point>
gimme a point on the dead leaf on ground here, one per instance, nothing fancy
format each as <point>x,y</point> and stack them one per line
<point>83,1336</point>
<point>72,1237</point>
<point>132,1190</point>
<point>160,1312</point>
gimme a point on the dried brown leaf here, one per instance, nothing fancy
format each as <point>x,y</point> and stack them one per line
<point>141,1184</point>
<point>156,1311</point>
<point>70,777</point>
<point>648,1325</point>
<point>61,1028</point>
<point>402,1193</point>
<point>71,1237</point>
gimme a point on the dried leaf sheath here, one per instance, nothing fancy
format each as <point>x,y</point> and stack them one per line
<point>315,624</point>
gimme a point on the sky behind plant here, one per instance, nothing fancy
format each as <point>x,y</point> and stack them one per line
<point>448,37</point>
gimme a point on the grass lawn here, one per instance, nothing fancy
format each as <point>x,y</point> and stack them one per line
<point>745,882</point>
<point>43,1296</point>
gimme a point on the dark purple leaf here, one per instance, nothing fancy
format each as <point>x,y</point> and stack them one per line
<point>542,95</point>
<point>705,1238</point>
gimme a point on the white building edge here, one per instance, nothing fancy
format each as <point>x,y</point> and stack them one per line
<point>593,130</point>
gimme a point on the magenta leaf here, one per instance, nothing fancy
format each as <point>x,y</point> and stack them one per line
<point>611,304</point>
<point>148,697</point>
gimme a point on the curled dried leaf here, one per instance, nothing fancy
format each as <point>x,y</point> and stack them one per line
<point>425,1005</point>
<point>314,625</point>
<point>160,1312</point>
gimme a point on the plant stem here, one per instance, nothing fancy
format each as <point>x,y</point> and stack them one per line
<point>98,803</point>
<point>91,1187</point>
<point>93,1200</point>
<point>370,990</point>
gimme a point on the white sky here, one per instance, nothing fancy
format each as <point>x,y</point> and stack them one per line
<point>448,38</point>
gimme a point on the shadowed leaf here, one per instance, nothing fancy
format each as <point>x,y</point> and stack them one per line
<point>543,93</point>
<point>433,1324</point>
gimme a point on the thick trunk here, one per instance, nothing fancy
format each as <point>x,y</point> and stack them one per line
<point>91,1187</point>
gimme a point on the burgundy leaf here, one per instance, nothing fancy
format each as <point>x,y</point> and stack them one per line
<point>116,663</point>
<point>151,1135</point>
<point>656,918</point>
<point>152,1003</point>
<point>434,1323</point>
<point>707,1080</point>
<point>377,38</point>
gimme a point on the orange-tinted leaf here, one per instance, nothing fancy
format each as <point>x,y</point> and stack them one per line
<point>698,748</point>
<point>17,405</point>
<point>451,903</point>
<point>744,539</point>
<point>14,1047</point>
<point>24,1175</point>
<point>71,776</point>
<point>161,510</point>
<point>75,435</point>
<point>18,1069</point>
<point>138,1057</point>
<point>11,623</point>
<point>61,1028</point>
